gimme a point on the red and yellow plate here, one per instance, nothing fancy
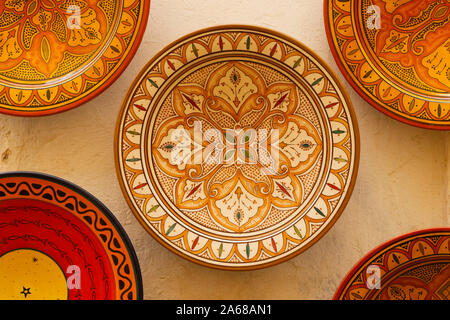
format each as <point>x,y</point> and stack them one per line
<point>395,54</point>
<point>58,54</point>
<point>236,147</point>
<point>58,242</point>
<point>415,266</point>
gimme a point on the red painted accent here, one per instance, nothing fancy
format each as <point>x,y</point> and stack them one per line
<point>45,227</point>
<point>283,189</point>
<point>272,52</point>
<point>193,190</point>
<point>140,107</point>
<point>140,186</point>
<point>331,105</point>
<point>192,102</point>
<point>194,244</point>
<point>274,245</point>
<point>280,101</point>
<point>332,186</point>
<point>171,65</point>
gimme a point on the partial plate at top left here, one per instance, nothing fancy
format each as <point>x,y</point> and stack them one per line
<point>58,54</point>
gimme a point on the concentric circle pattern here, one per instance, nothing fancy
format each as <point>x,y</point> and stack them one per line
<point>57,54</point>
<point>59,242</point>
<point>236,147</point>
<point>395,55</point>
<point>415,266</point>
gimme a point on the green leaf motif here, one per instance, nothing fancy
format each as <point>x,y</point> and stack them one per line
<point>320,212</point>
<point>338,131</point>
<point>248,43</point>
<point>152,209</point>
<point>306,145</point>
<point>229,154</point>
<point>316,81</point>
<point>340,160</point>
<point>153,83</point>
<point>194,49</point>
<point>133,132</point>
<point>171,229</point>
<point>230,138</point>
<point>247,154</point>
<point>298,232</point>
<point>246,137</point>
<point>297,63</point>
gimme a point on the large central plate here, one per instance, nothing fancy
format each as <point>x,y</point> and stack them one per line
<point>58,54</point>
<point>236,147</point>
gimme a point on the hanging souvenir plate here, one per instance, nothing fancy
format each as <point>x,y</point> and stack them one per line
<point>58,242</point>
<point>396,55</point>
<point>57,54</point>
<point>236,147</point>
<point>415,266</point>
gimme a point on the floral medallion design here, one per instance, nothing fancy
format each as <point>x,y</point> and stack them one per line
<point>236,148</point>
<point>415,266</point>
<point>56,54</point>
<point>395,54</point>
<point>52,228</point>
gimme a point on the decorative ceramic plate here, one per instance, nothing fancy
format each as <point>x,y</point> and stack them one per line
<point>57,54</point>
<point>415,266</point>
<point>58,242</point>
<point>395,54</point>
<point>236,147</point>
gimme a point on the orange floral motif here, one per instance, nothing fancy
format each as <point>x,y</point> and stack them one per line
<point>246,167</point>
<point>41,31</point>
<point>395,54</point>
<point>413,33</point>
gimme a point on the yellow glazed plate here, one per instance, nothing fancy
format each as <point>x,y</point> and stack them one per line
<point>58,54</point>
<point>236,147</point>
<point>395,54</point>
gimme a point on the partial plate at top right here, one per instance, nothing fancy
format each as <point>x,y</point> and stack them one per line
<point>396,55</point>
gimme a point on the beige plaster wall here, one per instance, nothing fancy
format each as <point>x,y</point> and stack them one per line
<point>403,181</point>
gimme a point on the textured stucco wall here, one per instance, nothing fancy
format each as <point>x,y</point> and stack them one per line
<point>402,183</point>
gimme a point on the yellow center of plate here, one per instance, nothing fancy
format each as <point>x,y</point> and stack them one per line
<point>27,274</point>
